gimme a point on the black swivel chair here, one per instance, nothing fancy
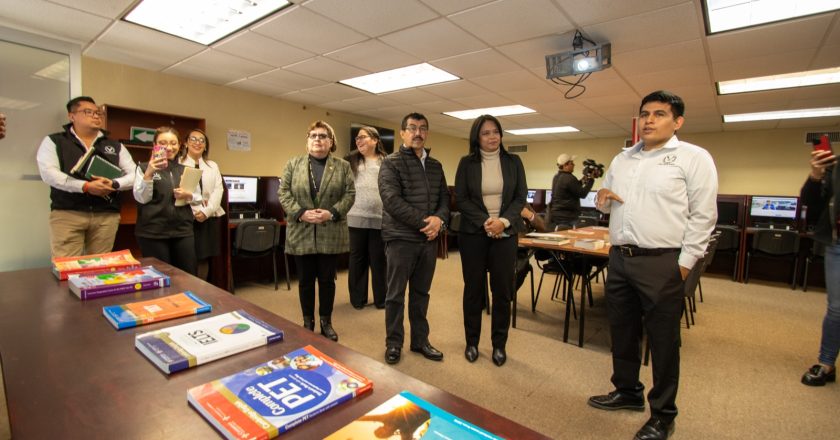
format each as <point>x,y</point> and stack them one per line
<point>729,241</point>
<point>817,253</point>
<point>259,238</point>
<point>774,243</point>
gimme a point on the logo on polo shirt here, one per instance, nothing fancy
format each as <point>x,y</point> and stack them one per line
<point>669,159</point>
<point>156,176</point>
<point>109,149</point>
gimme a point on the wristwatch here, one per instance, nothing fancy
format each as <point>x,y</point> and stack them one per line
<point>115,185</point>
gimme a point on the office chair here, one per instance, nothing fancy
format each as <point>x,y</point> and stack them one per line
<point>817,252</point>
<point>711,250</point>
<point>259,238</point>
<point>548,265</point>
<point>774,243</point>
<point>729,241</point>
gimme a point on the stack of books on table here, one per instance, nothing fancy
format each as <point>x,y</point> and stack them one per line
<point>89,286</point>
<point>154,310</point>
<point>184,346</point>
<point>547,238</point>
<point>589,243</point>
<point>410,417</point>
<point>269,399</point>
<point>63,267</point>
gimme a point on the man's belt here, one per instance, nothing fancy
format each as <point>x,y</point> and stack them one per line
<point>631,250</point>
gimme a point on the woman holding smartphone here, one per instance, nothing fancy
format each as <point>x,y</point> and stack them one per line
<point>490,191</point>
<point>164,230</point>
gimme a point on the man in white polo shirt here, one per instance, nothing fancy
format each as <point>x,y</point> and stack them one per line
<point>661,195</point>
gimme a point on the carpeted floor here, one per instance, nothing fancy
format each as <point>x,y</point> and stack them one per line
<point>741,362</point>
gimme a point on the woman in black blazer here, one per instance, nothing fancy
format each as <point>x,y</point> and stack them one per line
<point>490,191</point>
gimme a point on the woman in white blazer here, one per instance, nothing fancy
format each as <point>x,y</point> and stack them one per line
<point>208,242</point>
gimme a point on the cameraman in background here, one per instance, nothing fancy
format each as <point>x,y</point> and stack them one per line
<point>567,190</point>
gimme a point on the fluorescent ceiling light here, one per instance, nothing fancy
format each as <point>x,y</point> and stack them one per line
<point>202,21</point>
<point>506,110</point>
<point>784,114</point>
<point>544,130</point>
<point>788,80</point>
<point>59,71</point>
<point>725,15</point>
<point>402,78</point>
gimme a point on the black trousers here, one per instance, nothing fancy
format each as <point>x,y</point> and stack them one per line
<point>481,254</point>
<point>367,250</point>
<point>412,264</point>
<point>649,291</point>
<point>179,251</point>
<point>322,267</point>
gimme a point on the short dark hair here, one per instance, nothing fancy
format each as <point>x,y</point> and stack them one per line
<point>73,104</point>
<point>676,103</point>
<point>416,116</point>
<point>475,132</point>
<point>355,156</point>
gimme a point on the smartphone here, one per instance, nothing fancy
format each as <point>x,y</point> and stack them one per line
<point>822,144</point>
<point>158,152</point>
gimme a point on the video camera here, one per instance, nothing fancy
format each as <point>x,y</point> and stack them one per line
<point>592,169</point>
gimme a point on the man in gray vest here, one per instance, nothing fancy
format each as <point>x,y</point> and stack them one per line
<point>85,213</point>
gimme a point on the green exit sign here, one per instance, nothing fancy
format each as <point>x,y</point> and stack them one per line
<point>141,135</point>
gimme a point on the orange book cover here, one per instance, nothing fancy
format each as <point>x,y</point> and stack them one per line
<point>158,309</point>
<point>63,267</point>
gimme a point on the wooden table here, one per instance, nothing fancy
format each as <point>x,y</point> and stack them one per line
<point>69,374</point>
<point>591,232</point>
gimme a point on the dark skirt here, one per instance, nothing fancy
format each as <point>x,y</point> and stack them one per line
<point>207,238</point>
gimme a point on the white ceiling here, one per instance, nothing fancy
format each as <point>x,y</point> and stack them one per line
<point>498,47</point>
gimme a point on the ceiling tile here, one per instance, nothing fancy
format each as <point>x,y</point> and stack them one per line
<point>455,89</point>
<point>374,17</point>
<point>817,123</point>
<point>306,97</point>
<point>673,25</point>
<point>650,60</point>
<point>507,21</point>
<point>671,79</point>
<point>107,8</point>
<point>531,53</point>
<point>260,87</point>
<point>256,47</point>
<point>160,50</point>
<point>480,63</point>
<point>325,69</point>
<point>482,101</point>
<point>598,11</point>
<point>828,56</point>
<point>411,96</point>
<point>764,65</point>
<point>307,30</point>
<point>288,80</point>
<point>447,7</point>
<point>337,91</point>
<point>217,67</point>
<point>434,40</point>
<point>510,81</point>
<point>53,19</point>
<point>787,36</point>
<point>373,56</point>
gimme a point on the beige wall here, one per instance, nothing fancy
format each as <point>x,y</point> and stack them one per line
<point>749,162</point>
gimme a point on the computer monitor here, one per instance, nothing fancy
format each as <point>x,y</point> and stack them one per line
<point>589,200</point>
<point>531,194</point>
<point>241,189</point>
<point>769,208</point>
<point>547,197</point>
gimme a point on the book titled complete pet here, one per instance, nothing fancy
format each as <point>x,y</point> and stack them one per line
<point>271,398</point>
<point>194,343</point>
<point>154,310</point>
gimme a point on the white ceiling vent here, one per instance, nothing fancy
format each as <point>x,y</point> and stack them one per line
<point>833,136</point>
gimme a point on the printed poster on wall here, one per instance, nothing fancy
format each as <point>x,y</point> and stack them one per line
<point>238,140</point>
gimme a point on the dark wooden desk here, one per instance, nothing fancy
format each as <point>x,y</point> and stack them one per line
<point>69,374</point>
<point>591,232</point>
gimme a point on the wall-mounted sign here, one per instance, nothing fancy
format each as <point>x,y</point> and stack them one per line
<point>141,135</point>
<point>238,140</point>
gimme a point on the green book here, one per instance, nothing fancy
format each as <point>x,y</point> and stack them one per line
<point>102,168</point>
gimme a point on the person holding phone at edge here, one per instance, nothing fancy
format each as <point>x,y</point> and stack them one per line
<point>163,230</point>
<point>84,215</point>
<point>490,191</point>
<point>821,194</point>
<point>208,242</point>
<point>661,195</point>
<point>415,200</point>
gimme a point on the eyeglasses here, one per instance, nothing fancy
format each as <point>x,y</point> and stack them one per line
<point>197,140</point>
<point>91,112</point>
<point>362,137</point>
<point>170,143</point>
<point>321,136</point>
<point>415,129</point>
